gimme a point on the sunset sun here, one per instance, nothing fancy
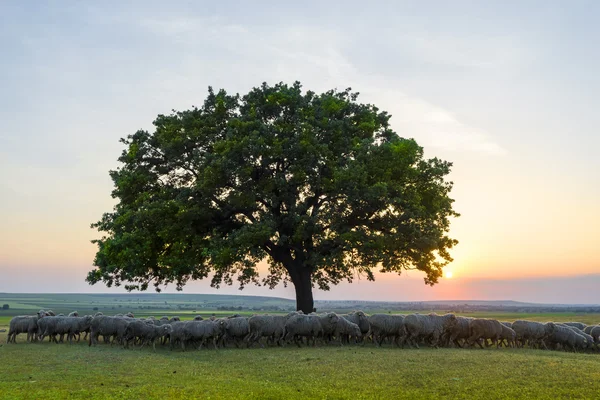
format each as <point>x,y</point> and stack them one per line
<point>448,274</point>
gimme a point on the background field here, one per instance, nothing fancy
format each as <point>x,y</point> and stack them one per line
<point>50,371</point>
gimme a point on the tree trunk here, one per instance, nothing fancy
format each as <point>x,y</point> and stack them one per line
<point>301,278</point>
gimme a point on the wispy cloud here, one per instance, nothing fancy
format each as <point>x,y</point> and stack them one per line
<point>315,57</point>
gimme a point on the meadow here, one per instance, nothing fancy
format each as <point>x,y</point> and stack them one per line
<point>51,371</point>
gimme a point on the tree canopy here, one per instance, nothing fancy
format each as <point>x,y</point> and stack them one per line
<point>318,185</point>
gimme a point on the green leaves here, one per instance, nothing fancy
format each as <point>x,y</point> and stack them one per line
<point>310,182</point>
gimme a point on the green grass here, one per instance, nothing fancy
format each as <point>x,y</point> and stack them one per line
<point>50,371</point>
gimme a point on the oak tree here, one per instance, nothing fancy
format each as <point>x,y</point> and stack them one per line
<point>318,185</point>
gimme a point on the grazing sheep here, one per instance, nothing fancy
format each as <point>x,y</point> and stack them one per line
<point>147,333</point>
<point>269,326</point>
<point>588,329</point>
<point>589,339</point>
<point>130,315</point>
<point>69,326</point>
<point>166,320</point>
<point>108,327</point>
<point>203,331</point>
<point>177,334</point>
<point>48,328</point>
<point>73,314</point>
<point>425,327</point>
<point>532,333</point>
<point>346,330</point>
<point>42,325</point>
<point>387,326</point>
<point>485,329</point>
<point>578,325</point>
<point>508,335</point>
<point>456,330</point>
<point>198,318</point>
<point>595,333</point>
<point>567,338</point>
<point>23,324</point>
<point>236,329</point>
<point>301,325</point>
<point>359,318</point>
<point>329,323</point>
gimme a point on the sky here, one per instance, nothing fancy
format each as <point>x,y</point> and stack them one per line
<point>507,91</point>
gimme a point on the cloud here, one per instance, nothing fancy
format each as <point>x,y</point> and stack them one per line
<point>315,57</point>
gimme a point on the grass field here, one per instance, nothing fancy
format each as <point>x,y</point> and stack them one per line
<point>50,371</point>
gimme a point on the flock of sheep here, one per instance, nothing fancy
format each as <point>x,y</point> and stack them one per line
<point>356,327</point>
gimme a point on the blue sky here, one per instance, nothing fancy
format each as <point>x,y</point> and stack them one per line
<point>508,91</point>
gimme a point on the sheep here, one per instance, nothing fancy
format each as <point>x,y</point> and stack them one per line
<point>237,329</point>
<point>345,330</point>
<point>42,325</point>
<point>532,333</point>
<point>359,318</point>
<point>130,315</point>
<point>50,313</point>
<point>177,334</point>
<point>301,325</point>
<point>146,332</point>
<point>590,340</point>
<point>48,327</point>
<point>588,329</point>
<point>485,329</point>
<point>595,333</point>
<point>73,314</point>
<point>170,321</point>
<point>270,326</point>
<point>508,335</point>
<point>329,324</point>
<point>69,326</point>
<point>567,338</point>
<point>385,325</point>
<point>202,331</point>
<point>107,327</point>
<point>23,324</point>
<point>579,325</point>
<point>456,330</point>
<point>422,327</point>
<point>198,318</point>
<point>507,324</point>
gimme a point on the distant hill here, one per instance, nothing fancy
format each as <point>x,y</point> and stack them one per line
<point>199,303</point>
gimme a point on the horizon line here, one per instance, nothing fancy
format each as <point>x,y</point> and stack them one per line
<point>316,300</point>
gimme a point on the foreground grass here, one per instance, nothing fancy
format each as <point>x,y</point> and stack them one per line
<point>50,371</point>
